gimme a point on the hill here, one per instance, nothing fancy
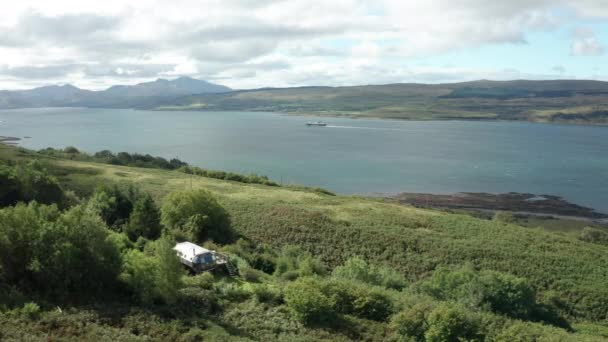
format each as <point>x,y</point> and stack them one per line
<point>538,101</point>
<point>119,96</point>
<point>432,252</point>
<point>560,101</point>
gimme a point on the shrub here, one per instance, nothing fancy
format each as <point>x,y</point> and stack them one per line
<point>251,274</point>
<point>358,300</point>
<point>198,213</point>
<point>594,235</point>
<point>526,331</point>
<point>449,322</point>
<point>412,323</point>
<point>504,217</point>
<point>71,150</point>
<point>359,270</point>
<point>233,292</point>
<point>499,292</point>
<point>267,294</point>
<point>30,311</point>
<point>308,303</point>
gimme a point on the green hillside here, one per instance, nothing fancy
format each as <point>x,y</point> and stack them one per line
<point>539,101</point>
<point>357,269</point>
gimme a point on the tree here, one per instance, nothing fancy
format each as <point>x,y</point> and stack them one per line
<point>112,205</point>
<point>9,186</point>
<point>58,252</point>
<point>198,213</point>
<point>169,272</point>
<point>35,184</point>
<point>154,274</point>
<point>144,219</point>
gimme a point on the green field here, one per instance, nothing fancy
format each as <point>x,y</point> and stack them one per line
<point>563,270</point>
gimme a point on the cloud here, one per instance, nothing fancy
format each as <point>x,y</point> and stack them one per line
<point>251,43</point>
<point>585,43</point>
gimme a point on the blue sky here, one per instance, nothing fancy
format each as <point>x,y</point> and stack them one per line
<point>249,44</point>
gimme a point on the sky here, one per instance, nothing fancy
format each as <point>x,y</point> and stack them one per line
<point>280,43</point>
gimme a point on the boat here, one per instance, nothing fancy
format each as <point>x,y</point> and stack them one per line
<point>317,123</point>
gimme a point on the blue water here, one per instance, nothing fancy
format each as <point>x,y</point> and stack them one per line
<point>361,156</point>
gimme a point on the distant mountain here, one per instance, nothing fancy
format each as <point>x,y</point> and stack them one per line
<point>166,88</point>
<point>116,96</point>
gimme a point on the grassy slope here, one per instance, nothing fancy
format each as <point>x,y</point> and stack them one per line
<point>414,241</point>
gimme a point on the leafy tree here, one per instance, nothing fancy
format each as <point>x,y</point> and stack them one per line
<point>35,184</point>
<point>169,271</point>
<point>144,220</point>
<point>58,252</point>
<point>112,204</point>
<point>198,213</point>
<point>154,274</point>
<point>9,186</point>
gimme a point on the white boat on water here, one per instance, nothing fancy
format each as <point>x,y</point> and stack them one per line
<point>317,123</point>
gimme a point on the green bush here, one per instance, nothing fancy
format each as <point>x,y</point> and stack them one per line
<point>265,293</point>
<point>308,303</point>
<point>499,292</point>
<point>358,299</point>
<point>233,292</point>
<point>412,323</point>
<point>155,274</point>
<point>359,270</point>
<point>30,311</point>
<point>448,322</point>
<point>197,213</point>
<point>526,331</point>
<point>594,235</point>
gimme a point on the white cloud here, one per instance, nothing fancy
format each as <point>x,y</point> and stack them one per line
<point>585,43</point>
<point>99,43</point>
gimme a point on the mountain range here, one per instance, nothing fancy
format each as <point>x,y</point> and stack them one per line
<point>564,101</point>
<point>115,96</point>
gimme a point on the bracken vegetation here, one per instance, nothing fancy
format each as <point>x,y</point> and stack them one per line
<point>94,261</point>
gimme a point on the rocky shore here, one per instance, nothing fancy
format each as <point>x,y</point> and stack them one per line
<point>515,202</point>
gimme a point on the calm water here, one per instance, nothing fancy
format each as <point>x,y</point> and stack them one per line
<point>349,156</point>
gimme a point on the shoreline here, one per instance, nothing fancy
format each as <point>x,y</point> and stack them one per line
<point>523,204</point>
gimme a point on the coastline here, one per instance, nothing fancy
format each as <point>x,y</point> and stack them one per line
<point>523,204</point>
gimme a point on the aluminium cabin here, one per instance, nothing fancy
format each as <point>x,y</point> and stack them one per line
<point>197,258</point>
